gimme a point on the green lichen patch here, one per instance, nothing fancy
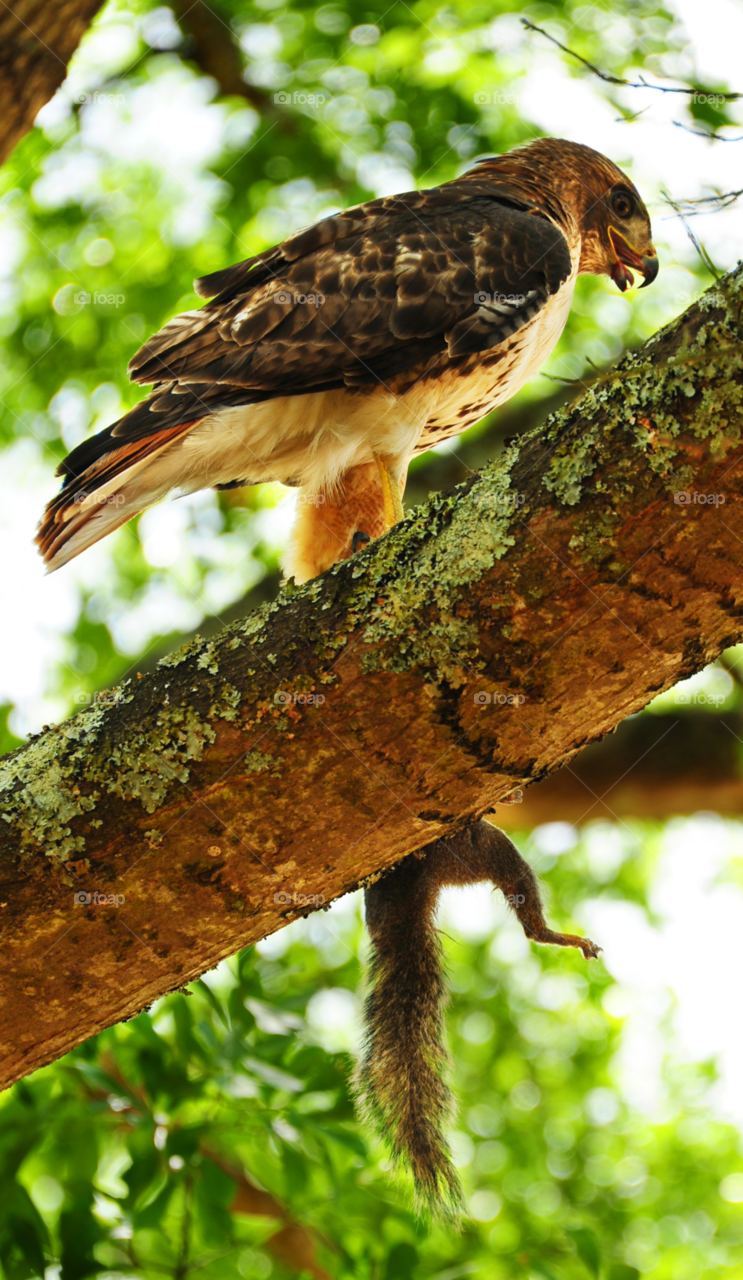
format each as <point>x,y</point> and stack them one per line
<point>261,762</point>
<point>66,772</point>
<point>569,466</point>
<point>143,766</point>
<point>208,659</point>
<point>39,799</point>
<point>186,651</point>
<point>455,540</point>
<point>225,706</point>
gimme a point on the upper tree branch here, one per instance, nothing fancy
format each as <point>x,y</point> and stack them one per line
<point>565,583</point>
<point>215,52</point>
<point>37,40</point>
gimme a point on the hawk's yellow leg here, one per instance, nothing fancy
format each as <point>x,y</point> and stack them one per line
<point>393,510</point>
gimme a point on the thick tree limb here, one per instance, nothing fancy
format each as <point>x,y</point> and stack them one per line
<point>215,52</point>
<point>655,766</point>
<point>565,583</point>
<point>37,40</point>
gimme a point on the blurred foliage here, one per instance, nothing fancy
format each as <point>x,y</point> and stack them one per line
<point>8,740</point>
<point>125,1157</point>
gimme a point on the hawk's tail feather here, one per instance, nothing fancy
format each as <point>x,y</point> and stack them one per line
<point>104,496</point>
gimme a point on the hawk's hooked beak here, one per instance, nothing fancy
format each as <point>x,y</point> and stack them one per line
<point>627,257</point>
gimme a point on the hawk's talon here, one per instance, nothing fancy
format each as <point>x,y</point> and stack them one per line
<point>393,508</point>
<point>359,539</point>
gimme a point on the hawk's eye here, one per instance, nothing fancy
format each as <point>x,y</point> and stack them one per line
<point>622,204</point>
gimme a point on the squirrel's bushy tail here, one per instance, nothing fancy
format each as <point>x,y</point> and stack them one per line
<point>401,1078</point>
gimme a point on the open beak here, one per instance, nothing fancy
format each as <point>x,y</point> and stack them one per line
<point>627,257</point>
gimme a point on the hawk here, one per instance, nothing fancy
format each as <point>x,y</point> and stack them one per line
<point>329,361</point>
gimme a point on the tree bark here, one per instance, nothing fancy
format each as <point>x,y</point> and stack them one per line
<point>472,651</point>
<point>37,40</point>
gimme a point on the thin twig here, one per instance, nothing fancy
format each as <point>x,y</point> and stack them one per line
<point>716,202</point>
<point>706,260</point>
<point>631,116</point>
<point>705,133</point>
<point>619,80</point>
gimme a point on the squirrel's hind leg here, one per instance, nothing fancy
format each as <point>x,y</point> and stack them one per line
<point>498,859</point>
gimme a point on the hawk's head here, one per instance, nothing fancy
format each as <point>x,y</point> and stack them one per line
<point>616,238</point>
<point>589,197</point>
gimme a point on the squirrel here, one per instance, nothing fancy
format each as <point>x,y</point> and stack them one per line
<point>400,1081</point>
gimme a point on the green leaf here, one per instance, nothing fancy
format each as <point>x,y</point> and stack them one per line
<point>29,1243</point>
<point>401,1262</point>
<point>587,1247</point>
<point>295,1169</point>
<point>217,1185</point>
<point>23,1235</point>
<point>541,1268</point>
<point>152,1212</point>
<point>344,1137</point>
<point>78,1232</point>
<point>184,1141</point>
<point>213,1000</point>
<point>210,1197</point>
<point>146,1166</point>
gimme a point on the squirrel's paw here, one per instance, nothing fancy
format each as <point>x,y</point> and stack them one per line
<point>590,949</point>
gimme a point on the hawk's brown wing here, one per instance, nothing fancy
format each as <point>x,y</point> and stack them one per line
<point>362,297</point>
<point>330,313</point>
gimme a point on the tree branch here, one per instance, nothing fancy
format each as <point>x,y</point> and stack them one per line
<point>37,40</point>
<point>654,766</point>
<point>216,54</point>
<point>255,776</point>
<point>609,78</point>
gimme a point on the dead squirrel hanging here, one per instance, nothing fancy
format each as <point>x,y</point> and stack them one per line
<point>399,1081</point>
